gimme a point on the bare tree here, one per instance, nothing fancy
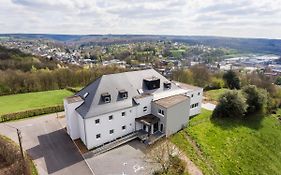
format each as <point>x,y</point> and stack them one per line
<point>162,153</point>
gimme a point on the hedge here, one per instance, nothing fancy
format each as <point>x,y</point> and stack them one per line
<point>71,89</point>
<point>30,113</point>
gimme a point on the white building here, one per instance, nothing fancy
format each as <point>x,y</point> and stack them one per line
<point>142,102</point>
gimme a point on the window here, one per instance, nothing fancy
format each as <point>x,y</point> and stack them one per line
<point>194,105</point>
<point>145,109</point>
<point>123,113</point>
<point>123,94</point>
<point>111,131</point>
<point>160,111</point>
<point>198,93</point>
<point>97,136</point>
<point>106,99</point>
<point>97,121</point>
<point>110,117</point>
<point>123,127</point>
<point>191,95</point>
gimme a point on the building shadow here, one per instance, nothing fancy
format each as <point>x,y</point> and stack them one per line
<point>253,121</point>
<point>57,149</point>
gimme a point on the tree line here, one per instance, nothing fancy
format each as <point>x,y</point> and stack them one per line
<point>17,81</point>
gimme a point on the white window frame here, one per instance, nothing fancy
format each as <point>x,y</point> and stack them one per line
<point>98,136</point>
<point>111,117</point>
<point>144,108</point>
<point>123,113</point>
<point>112,131</point>
<point>123,129</point>
<point>97,123</point>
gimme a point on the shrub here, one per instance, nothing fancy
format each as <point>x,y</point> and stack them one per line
<point>11,153</point>
<point>231,80</point>
<point>231,104</point>
<point>216,83</point>
<point>256,99</point>
<point>31,113</point>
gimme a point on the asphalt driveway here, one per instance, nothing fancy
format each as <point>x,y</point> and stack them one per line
<point>127,159</point>
<point>49,145</point>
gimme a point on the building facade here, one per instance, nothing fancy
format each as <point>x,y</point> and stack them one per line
<point>116,105</point>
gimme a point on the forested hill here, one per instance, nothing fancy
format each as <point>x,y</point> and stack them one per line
<point>16,60</point>
<point>267,46</point>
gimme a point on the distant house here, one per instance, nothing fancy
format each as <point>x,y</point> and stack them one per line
<point>143,102</point>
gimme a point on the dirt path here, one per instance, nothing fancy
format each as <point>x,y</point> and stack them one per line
<point>191,168</point>
<point>199,152</point>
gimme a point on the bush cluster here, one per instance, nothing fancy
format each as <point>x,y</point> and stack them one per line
<point>11,152</point>
<point>236,103</point>
<point>31,113</point>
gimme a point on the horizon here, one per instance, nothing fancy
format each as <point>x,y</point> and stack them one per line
<point>234,19</point>
<point>93,34</point>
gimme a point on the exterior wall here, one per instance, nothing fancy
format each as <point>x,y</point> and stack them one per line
<point>177,117</point>
<point>72,119</point>
<point>196,96</point>
<point>143,102</point>
<point>154,111</point>
<point>81,128</point>
<point>106,125</point>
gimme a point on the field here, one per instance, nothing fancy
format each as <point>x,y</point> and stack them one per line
<point>228,146</point>
<point>213,95</point>
<point>20,102</point>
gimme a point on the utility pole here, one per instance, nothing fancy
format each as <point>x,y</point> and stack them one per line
<point>20,143</point>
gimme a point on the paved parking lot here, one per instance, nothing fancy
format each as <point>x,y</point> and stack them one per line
<point>49,145</point>
<point>127,159</point>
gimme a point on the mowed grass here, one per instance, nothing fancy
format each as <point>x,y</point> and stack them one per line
<point>213,95</point>
<point>228,146</point>
<point>21,102</point>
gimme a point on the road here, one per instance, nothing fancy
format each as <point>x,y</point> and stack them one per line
<point>49,145</point>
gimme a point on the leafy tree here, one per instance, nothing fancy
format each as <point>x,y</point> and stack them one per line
<point>278,81</point>
<point>216,83</point>
<point>256,98</point>
<point>232,80</point>
<point>231,104</point>
<point>201,75</point>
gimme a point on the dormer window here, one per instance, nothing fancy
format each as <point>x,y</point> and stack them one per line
<point>167,85</point>
<point>152,83</point>
<point>106,97</point>
<point>123,94</point>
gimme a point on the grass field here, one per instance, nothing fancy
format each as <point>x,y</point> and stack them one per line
<point>20,102</point>
<point>213,95</point>
<point>228,146</point>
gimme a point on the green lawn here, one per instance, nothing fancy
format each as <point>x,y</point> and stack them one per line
<point>20,102</point>
<point>227,146</point>
<point>213,95</point>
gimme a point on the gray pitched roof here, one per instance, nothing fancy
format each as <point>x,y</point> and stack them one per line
<point>129,81</point>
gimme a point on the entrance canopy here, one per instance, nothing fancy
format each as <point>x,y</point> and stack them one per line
<point>148,119</point>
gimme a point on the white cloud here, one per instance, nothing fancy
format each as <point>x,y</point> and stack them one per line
<point>238,18</point>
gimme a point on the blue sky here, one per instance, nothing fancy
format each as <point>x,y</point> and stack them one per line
<point>235,18</point>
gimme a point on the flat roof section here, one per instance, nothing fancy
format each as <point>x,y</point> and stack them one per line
<point>73,99</point>
<point>186,86</point>
<point>171,101</point>
<point>148,119</point>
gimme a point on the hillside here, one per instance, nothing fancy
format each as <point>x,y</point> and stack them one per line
<point>265,46</point>
<point>227,146</point>
<point>16,60</point>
